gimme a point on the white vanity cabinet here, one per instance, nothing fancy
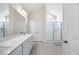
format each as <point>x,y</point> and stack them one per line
<point>24,48</point>
<point>17,51</point>
<point>27,46</point>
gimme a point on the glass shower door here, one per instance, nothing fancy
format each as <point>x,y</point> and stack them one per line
<point>53,28</point>
<point>50,27</point>
<point>57,30</point>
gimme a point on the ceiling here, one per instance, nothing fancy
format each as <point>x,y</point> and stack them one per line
<point>55,9</point>
<point>31,7</point>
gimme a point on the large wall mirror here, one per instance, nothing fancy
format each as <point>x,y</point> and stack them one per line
<point>11,21</point>
<point>4,19</point>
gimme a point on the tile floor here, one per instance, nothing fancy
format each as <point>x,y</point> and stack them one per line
<point>49,48</point>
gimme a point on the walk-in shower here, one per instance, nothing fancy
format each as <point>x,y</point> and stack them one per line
<point>54,28</point>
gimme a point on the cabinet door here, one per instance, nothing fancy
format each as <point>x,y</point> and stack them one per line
<point>27,46</point>
<point>30,44</point>
<point>17,51</point>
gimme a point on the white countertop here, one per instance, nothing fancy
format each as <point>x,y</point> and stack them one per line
<point>8,46</point>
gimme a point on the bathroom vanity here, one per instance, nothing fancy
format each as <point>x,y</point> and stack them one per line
<point>13,25</point>
<point>17,45</point>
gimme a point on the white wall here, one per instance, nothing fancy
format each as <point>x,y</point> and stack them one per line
<point>70,26</point>
<point>55,9</point>
<point>37,27</point>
